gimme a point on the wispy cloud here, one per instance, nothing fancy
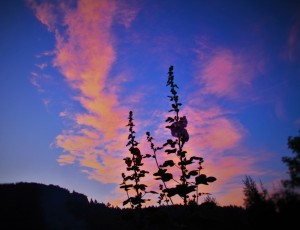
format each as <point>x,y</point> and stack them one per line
<point>292,47</point>
<point>44,13</point>
<point>213,129</point>
<point>42,65</point>
<point>126,14</point>
<point>35,82</point>
<point>225,73</point>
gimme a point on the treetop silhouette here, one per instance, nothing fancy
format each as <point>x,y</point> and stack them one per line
<point>293,163</point>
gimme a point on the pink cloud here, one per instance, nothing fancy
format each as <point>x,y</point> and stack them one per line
<point>44,13</point>
<point>224,73</point>
<point>223,134</point>
<point>213,129</point>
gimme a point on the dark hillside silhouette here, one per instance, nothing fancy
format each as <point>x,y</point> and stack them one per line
<point>39,206</point>
<point>20,206</point>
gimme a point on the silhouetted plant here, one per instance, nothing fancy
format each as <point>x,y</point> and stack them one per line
<point>189,179</point>
<point>134,162</point>
<point>162,196</point>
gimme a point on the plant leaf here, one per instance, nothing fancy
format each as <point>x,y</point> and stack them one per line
<point>193,173</point>
<point>168,163</point>
<point>211,179</point>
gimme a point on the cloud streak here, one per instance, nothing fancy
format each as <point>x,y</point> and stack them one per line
<point>84,54</point>
<point>293,45</point>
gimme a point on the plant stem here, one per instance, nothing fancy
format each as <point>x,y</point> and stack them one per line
<point>155,157</point>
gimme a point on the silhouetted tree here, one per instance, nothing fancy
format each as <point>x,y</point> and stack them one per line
<point>252,196</point>
<point>260,207</point>
<point>287,198</point>
<point>293,163</point>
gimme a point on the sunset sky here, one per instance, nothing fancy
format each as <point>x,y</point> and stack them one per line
<point>70,71</point>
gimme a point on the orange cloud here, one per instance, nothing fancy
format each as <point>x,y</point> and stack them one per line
<point>66,159</point>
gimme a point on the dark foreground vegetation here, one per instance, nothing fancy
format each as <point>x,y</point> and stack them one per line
<point>39,206</point>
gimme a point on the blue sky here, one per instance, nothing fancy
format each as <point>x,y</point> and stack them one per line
<point>71,71</point>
